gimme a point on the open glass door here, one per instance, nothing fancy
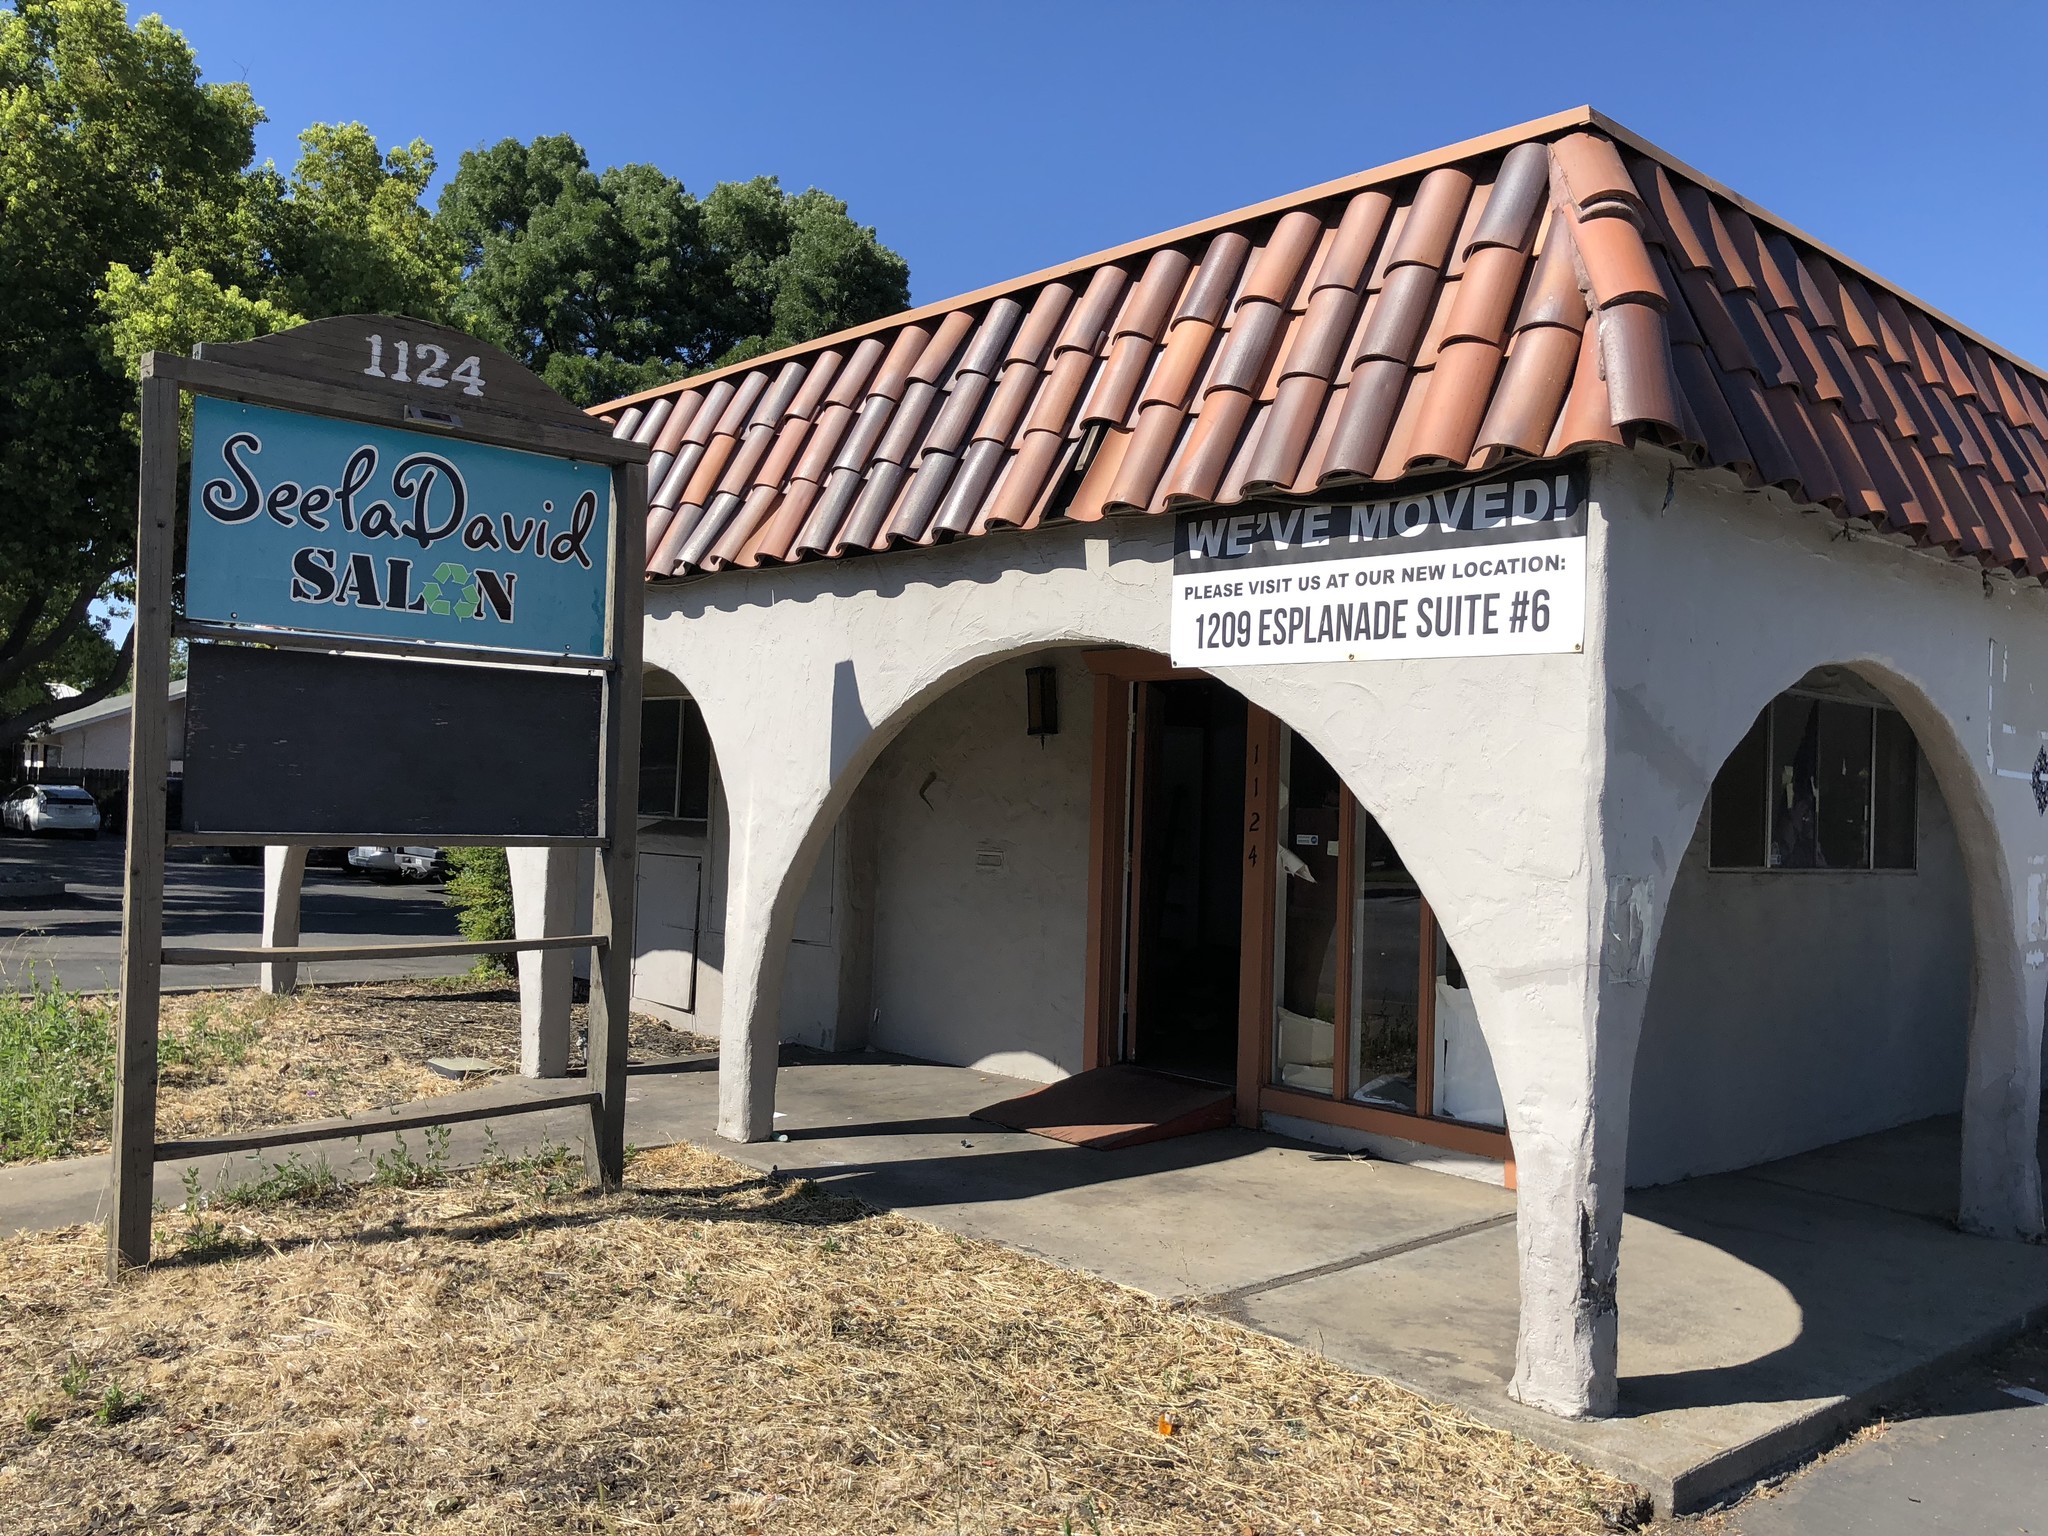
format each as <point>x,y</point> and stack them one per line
<point>1186,891</point>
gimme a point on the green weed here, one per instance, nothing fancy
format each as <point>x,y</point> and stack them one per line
<point>399,1169</point>
<point>551,1169</point>
<point>208,1043</point>
<point>291,1182</point>
<point>77,1374</point>
<point>203,1237</point>
<point>57,1053</point>
<point>116,1407</point>
<point>56,1071</point>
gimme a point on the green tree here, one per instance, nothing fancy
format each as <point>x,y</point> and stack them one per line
<point>479,888</point>
<point>114,151</point>
<point>132,220</point>
<point>612,281</point>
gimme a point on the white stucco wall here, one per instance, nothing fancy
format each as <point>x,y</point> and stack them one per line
<point>810,994</point>
<point>1792,1009</point>
<point>1718,599</point>
<point>980,878</point>
<point>1544,803</point>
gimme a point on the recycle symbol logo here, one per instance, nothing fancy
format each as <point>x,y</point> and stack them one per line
<point>452,591</point>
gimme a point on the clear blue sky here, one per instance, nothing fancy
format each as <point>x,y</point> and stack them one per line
<point>986,140</point>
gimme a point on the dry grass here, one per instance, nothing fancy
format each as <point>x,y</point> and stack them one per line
<point>240,1060</point>
<point>707,1351</point>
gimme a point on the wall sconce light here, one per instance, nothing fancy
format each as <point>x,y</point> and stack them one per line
<point>1041,701</point>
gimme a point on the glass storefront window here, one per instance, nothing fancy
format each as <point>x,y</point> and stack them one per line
<point>1386,972</point>
<point>1310,899</point>
<point>1462,1084</point>
<point>1350,923</point>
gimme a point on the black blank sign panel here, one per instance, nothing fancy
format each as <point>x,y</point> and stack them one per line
<point>299,742</point>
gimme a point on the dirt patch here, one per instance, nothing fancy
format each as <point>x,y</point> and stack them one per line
<point>243,1059</point>
<point>709,1350</point>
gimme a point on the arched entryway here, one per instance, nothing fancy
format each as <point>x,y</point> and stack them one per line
<point>684,865</point>
<point>1813,978</point>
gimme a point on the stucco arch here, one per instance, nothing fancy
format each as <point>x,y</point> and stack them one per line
<point>1997,1038</point>
<point>800,706</point>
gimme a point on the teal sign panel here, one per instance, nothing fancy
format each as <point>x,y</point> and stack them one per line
<point>306,522</point>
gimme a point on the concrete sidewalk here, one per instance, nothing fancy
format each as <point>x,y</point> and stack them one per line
<point>1760,1312</point>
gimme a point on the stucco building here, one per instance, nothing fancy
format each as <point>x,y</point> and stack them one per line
<point>1673,800</point>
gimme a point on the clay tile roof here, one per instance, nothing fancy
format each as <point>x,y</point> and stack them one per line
<point>1550,287</point>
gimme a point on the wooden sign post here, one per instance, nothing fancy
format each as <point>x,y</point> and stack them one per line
<point>413,605</point>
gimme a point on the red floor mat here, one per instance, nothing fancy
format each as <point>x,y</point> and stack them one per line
<point>1115,1107</point>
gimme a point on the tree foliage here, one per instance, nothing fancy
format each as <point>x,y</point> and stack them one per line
<point>132,219</point>
<point>114,151</point>
<point>605,282</point>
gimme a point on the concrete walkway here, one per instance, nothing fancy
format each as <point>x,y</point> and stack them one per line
<point>1760,1312</point>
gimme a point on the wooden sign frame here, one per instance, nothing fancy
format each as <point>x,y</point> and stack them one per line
<point>352,368</point>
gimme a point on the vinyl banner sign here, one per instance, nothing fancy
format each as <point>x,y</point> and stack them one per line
<point>1493,567</point>
<point>306,522</point>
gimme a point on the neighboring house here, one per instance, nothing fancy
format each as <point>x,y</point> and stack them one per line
<point>1744,860</point>
<point>96,737</point>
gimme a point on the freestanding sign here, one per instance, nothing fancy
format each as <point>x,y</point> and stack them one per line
<point>413,578</point>
<point>306,522</point>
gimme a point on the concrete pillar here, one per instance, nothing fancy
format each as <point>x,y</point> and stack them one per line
<point>543,903</point>
<point>284,876</point>
<point>761,886</point>
<point>1564,1042</point>
<point>1570,1178</point>
<point>2001,1170</point>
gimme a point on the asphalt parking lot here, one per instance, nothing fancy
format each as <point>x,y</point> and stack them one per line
<point>77,940</point>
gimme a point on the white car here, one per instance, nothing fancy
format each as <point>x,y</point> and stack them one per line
<point>396,863</point>
<point>39,808</point>
<point>381,862</point>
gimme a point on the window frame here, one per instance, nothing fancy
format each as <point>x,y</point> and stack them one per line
<point>1338,1099</point>
<point>1768,718</point>
<point>673,821</point>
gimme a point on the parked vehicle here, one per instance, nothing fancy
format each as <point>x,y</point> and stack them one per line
<point>40,808</point>
<point>381,863</point>
<point>398,863</point>
<point>423,863</point>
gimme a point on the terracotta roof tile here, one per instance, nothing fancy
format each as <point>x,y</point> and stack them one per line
<point>1215,282</point>
<point>1198,473</point>
<point>1516,200</point>
<point>1487,294</point>
<point>1040,325</point>
<point>1438,316</point>
<point>1359,228</point>
<point>1553,296</point>
<point>1461,387</point>
<point>1587,417</point>
<point>1383,261</point>
<point>1402,313</point>
<point>1594,178</point>
<point>1180,365</point>
<point>1614,263</point>
<point>657,414</point>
